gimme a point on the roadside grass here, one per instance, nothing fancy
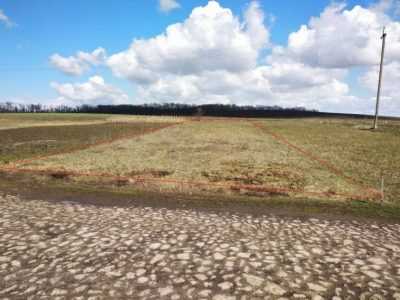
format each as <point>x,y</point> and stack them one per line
<point>348,144</point>
<point>22,120</point>
<point>47,188</point>
<point>25,143</point>
<point>215,151</point>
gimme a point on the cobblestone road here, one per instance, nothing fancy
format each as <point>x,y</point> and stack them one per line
<point>72,251</point>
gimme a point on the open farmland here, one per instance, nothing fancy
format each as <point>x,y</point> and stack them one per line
<point>27,136</point>
<point>367,156</point>
<point>19,120</point>
<point>24,120</point>
<point>328,158</point>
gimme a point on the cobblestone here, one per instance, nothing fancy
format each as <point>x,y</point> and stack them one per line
<point>69,250</point>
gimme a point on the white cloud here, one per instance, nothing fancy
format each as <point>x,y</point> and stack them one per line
<point>342,38</point>
<point>255,28</point>
<point>80,63</point>
<point>278,84</point>
<point>390,103</point>
<point>168,5</point>
<point>94,91</point>
<point>6,20</point>
<point>210,39</point>
<point>213,57</point>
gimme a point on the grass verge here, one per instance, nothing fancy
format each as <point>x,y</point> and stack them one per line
<point>54,189</point>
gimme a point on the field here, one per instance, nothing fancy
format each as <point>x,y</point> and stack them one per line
<point>19,120</point>
<point>329,159</point>
<point>31,135</point>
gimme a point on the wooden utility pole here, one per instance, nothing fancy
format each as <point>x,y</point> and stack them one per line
<point>378,95</point>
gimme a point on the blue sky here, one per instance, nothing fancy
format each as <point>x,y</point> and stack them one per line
<point>44,27</point>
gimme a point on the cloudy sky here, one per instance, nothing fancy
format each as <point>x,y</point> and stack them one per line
<point>318,54</point>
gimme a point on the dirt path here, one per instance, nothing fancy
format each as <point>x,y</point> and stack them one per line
<point>68,250</point>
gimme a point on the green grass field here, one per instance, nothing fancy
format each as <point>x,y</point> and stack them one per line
<point>221,152</point>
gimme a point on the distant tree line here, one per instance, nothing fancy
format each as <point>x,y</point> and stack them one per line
<point>10,107</point>
<point>155,109</point>
<point>174,109</point>
<point>212,110</point>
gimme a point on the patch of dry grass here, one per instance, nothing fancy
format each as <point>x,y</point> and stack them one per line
<point>23,120</point>
<point>368,156</point>
<point>30,142</point>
